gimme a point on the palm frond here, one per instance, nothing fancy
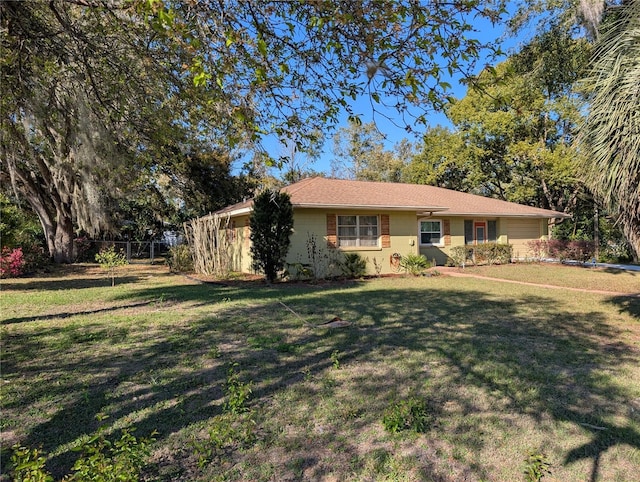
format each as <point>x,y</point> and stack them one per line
<point>610,136</point>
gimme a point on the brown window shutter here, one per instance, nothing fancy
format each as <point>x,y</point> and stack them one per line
<point>384,231</point>
<point>446,228</point>
<point>332,238</point>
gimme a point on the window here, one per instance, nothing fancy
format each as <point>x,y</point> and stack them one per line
<point>430,232</point>
<point>468,232</point>
<point>358,231</point>
<point>492,231</point>
<point>231,231</point>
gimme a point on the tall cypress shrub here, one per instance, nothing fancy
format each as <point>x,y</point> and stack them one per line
<point>271,228</point>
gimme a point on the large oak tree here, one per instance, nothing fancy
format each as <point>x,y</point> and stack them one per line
<point>84,111</point>
<point>97,90</point>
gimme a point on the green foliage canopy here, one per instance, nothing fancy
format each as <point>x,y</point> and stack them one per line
<point>360,154</point>
<point>608,140</point>
<point>18,227</point>
<point>95,104</point>
<point>518,122</point>
<point>291,68</point>
<point>441,161</point>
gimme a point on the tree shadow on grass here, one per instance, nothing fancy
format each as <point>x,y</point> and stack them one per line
<point>620,271</point>
<point>529,354</point>
<point>70,314</point>
<point>79,276</point>
<point>629,304</point>
<point>73,283</point>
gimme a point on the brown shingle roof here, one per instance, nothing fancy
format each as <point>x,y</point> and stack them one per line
<point>320,192</point>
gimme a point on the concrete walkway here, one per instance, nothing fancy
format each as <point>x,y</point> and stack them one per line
<point>626,267</point>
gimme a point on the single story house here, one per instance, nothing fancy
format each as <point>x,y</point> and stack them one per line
<point>383,221</point>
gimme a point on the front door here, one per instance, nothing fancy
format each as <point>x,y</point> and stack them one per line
<point>480,231</point>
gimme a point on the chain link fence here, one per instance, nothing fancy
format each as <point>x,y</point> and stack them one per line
<point>154,251</point>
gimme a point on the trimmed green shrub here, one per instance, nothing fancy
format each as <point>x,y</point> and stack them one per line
<point>489,253</point>
<point>460,256</point>
<point>353,265</point>
<point>493,253</point>
<point>414,264</point>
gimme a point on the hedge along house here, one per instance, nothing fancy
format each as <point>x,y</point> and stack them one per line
<point>385,221</point>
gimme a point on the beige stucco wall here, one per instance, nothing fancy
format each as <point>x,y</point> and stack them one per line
<point>309,222</point>
<point>515,231</point>
<point>311,225</point>
<point>456,238</point>
<point>241,256</point>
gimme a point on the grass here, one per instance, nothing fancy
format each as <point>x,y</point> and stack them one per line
<point>565,276</point>
<point>504,370</point>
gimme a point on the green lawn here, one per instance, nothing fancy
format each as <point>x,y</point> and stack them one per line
<point>566,276</point>
<point>504,370</point>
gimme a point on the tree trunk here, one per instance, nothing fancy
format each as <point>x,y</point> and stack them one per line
<point>631,232</point>
<point>58,181</point>
<point>63,242</point>
<point>52,207</point>
<point>58,229</point>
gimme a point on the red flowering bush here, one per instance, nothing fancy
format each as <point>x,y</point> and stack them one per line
<point>538,248</point>
<point>11,262</point>
<point>578,250</point>
<point>83,247</point>
<point>35,258</point>
<point>557,249</point>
